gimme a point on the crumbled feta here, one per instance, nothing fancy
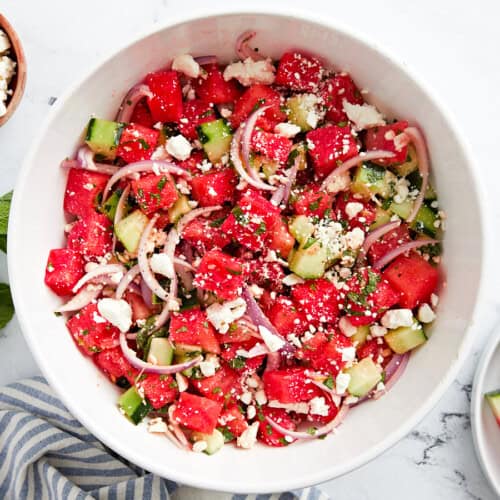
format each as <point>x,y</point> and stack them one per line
<point>350,400</point>
<point>363,116</point>
<point>157,425</point>
<point>402,190</point>
<point>162,264</point>
<point>248,437</point>
<point>342,381</point>
<point>225,112</point>
<point>355,238</point>
<point>312,118</point>
<point>426,314</point>
<point>222,315</point>
<point>353,208</point>
<point>296,407</point>
<point>291,337</point>
<point>346,327</point>
<point>252,381</point>
<point>251,412</point>
<point>434,300</point>
<point>246,398</point>
<point>378,330</point>
<point>273,342</point>
<point>205,166</point>
<point>339,183</point>
<point>117,311</point>
<point>208,368</point>
<point>394,318</point>
<point>319,406</point>
<point>182,383</point>
<point>292,279</point>
<point>187,65</point>
<point>249,72</point>
<point>348,354</point>
<point>7,71</point>
<point>330,235</point>
<point>260,397</point>
<point>200,446</point>
<point>256,291</point>
<point>179,147</point>
<point>287,129</point>
<point>160,153</point>
<point>380,386</point>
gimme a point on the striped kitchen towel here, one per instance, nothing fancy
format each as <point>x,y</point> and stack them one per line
<point>46,454</point>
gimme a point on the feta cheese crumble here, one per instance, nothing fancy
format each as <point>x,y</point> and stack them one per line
<point>157,425</point>
<point>319,406</point>
<point>292,279</point>
<point>179,147</point>
<point>273,342</point>
<point>353,208</point>
<point>162,264</point>
<point>222,315</point>
<point>248,438</point>
<point>249,72</point>
<point>426,314</point>
<point>7,71</point>
<point>117,311</point>
<point>346,327</point>
<point>187,65</point>
<point>363,115</point>
<point>288,130</point>
<point>341,383</point>
<point>395,318</point>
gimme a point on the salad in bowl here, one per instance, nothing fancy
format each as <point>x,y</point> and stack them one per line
<point>251,249</point>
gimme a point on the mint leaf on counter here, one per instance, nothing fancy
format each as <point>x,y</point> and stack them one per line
<point>4,220</point>
<point>6,305</point>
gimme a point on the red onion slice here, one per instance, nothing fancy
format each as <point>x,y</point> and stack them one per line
<point>248,128</point>
<point>242,49</point>
<point>423,167</point>
<point>146,294</point>
<point>84,297</point>
<point>176,428</point>
<point>194,214</point>
<point>149,367</point>
<point>119,212</point>
<point>134,95</point>
<point>393,371</point>
<point>390,256</point>
<point>324,388</point>
<point>273,361</point>
<point>143,262</point>
<point>277,196</point>
<point>374,236</point>
<point>99,271</point>
<point>202,60</point>
<point>353,162</point>
<point>156,166</point>
<point>127,279</point>
<point>85,161</point>
<point>321,431</point>
<point>178,262</point>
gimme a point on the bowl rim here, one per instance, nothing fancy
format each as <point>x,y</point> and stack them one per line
<point>477,189</point>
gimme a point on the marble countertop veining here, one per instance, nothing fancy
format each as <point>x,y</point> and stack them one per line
<point>452,44</point>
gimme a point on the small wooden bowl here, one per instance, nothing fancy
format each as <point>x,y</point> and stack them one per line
<point>18,82</point>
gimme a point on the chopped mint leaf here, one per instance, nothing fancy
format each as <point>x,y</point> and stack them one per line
<point>6,305</point>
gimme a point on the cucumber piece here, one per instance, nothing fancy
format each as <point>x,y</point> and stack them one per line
<point>424,220</point>
<point>109,208</point>
<point>402,210</point>
<point>493,399</point>
<point>184,353</point>
<point>301,228</point>
<point>130,229</point>
<point>215,137</point>
<point>261,163</point>
<point>103,137</point>
<point>371,179</point>
<point>161,351</point>
<point>405,338</point>
<point>179,208</point>
<point>215,441</point>
<point>361,334</point>
<point>415,180</point>
<point>381,217</point>
<point>298,109</point>
<point>132,404</point>
<point>365,375</point>
<point>409,165</point>
<point>309,262</point>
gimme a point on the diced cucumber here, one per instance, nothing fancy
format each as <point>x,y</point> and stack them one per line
<point>361,334</point>
<point>103,136</point>
<point>261,163</point>
<point>133,405</point>
<point>185,353</point>
<point>301,228</point>
<point>493,399</point>
<point>381,217</point>
<point>365,375</point>
<point>405,338</point>
<point>179,208</point>
<point>130,229</point>
<point>215,137</point>
<point>309,262</point>
<point>215,441</point>
<point>161,351</point>
<point>299,107</point>
<point>371,179</point>
<point>409,165</point>
<point>403,209</point>
<point>109,208</point>
<point>424,220</point>
<point>415,180</point>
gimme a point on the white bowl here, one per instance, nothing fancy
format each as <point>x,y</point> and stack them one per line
<point>37,222</point>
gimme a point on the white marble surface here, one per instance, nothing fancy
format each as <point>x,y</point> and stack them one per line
<point>451,43</point>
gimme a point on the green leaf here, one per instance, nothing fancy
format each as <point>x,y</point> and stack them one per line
<point>4,219</point>
<point>6,305</point>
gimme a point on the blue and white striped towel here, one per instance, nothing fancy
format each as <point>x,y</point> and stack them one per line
<point>46,454</point>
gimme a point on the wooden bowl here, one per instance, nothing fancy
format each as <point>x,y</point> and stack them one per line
<point>18,82</point>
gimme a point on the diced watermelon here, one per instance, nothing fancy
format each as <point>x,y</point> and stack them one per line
<point>191,327</point>
<point>82,190</point>
<point>363,219</point>
<point>266,274</point>
<point>137,143</point>
<point>329,146</point>
<point>63,271</point>
<point>369,296</point>
<point>139,308</point>
<point>332,410</point>
<point>413,278</point>
<point>233,420</point>
<point>334,91</point>
<point>299,72</point>
<point>239,331</point>
<point>254,97</point>
<point>313,202</point>
<point>229,354</point>
<point>388,242</point>
<point>158,389</point>
<point>371,349</point>
<point>290,385</point>
<point>388,138</point>
<point>114,364</point>
<point>166,103</point>
<point>191,164</point>
<point>279,238</point>
<point>286,317</point>
<point>154,192</point>
<point>267,434</point>
<point>197,413</point>
<point>141,114</point>
<point>220,387</point>
<point>212,88</point>
<point>272,146</point>
<point>318,300</point>
<point>214,187</point>
<point>91,236</point>
<point>221,274</point>
<point>205,233</point>
<point>196,112</point>
<point>91,332</point>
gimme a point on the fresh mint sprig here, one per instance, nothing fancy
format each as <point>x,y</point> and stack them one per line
<point>6,304</point>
